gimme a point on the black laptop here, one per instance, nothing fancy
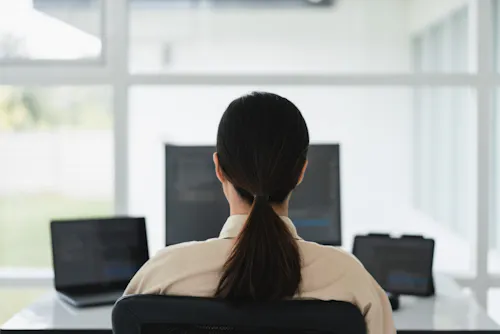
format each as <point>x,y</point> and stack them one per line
<point>94,259</point>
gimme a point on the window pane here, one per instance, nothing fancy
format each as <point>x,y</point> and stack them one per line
<point>281,36</point>
<point>50,29</point>
<point>494,254</point>
<point>378,159</point>
<point>56,148</point>
<point>15,299</point>
<point>458,32</point>
<point>494,304</point>
<point>496,34</point>
<point>445,165</point>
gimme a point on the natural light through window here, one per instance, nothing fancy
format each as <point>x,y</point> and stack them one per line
<point>28,33</point>
<point>56,149</point>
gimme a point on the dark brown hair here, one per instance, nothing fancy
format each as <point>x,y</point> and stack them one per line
<point>262,145</point>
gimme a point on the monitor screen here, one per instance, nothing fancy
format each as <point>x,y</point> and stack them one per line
<point>196,208</point>
<point>97,251</point>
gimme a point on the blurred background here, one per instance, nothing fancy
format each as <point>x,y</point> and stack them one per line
<point>90,90</point>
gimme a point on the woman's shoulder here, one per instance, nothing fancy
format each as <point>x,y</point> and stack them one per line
<point>173,263</point>
<point>331,258</point>
<point>315,249</point>
<point>188,251</point>
<point>333,273</point>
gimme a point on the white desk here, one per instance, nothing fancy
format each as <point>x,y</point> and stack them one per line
<point>449,310</point>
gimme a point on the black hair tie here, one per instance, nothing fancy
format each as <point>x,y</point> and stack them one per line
<point>262,197</point>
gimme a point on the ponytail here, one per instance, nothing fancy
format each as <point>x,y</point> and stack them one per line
<point>265,262</point>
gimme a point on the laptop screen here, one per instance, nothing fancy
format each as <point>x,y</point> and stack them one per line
<point>97,252</point>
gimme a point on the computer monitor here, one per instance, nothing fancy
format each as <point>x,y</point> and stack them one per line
<point>196,209</point>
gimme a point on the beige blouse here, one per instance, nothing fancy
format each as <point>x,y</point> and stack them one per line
<point>328,273</point>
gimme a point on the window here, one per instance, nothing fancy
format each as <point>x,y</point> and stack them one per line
<point>356,36</point>
<point>444,130</point>
<point>41,31</point>
<point>444,46</point>
<point>445,136</point>
<point>494,237</point>
<point>56,146</point>
<point>494,304</point>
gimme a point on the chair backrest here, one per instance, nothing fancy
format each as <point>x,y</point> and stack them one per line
<point>154,314</point>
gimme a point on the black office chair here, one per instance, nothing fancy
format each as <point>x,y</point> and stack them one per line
<point>154,314</point>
